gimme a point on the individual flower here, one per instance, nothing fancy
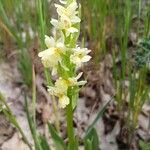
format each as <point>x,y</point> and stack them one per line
<point>60,91</point>
<point>80,55</point>
<point>64,24</point>
<point>70,11</point>
<point>61,87</point>
<point>51,56</point>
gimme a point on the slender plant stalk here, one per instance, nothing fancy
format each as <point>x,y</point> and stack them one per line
<point>125,38</point>
<point>33,95</point>
<point>69,112</point>
<point>147,23</point>
<point>148,128</point>
<point>139,16</point>
<point>32,126</point>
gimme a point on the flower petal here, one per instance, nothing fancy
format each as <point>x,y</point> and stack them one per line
<point>49,41</point>
<point>60,9</point>
<point>49,57</point>
<point>63,101</point>
<point>54,71</point>
<point>46,52</point>
<point>51,90</point>
<point>75,19</point>
<point>72,7</point>
<point>79,75</point>
<point>72,30</point>
<point>54,22</point>
<point>86,58</point>
<point>82,82</point>
<point>63,1</point>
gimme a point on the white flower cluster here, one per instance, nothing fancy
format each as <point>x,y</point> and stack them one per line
<point>62,56</point>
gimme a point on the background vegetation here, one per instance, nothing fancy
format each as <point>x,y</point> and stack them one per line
<point>116,27</point>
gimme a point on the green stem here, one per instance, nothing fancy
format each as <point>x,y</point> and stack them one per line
<point>69,112</point>
<point>33,95</point>
<point>139,17</point>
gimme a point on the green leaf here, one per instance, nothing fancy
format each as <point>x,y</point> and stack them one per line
<point>88,145</point>
<point>32,126</point>
<point>92,140</point>
<point>44,143</point>
<point>59,143</point>
<point>76,143</point>
<point>144,146</point>
<point>99,115</point>
<point>91,134</point>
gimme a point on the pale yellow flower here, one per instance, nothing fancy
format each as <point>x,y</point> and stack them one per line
<point>70,11</point>
<point>63,101</point>
<point>51,42</point>
<point>80,55</point>
<point>64,24</point>
<point>60,91</point>
<point>51,56</point>
<point>61,87</point>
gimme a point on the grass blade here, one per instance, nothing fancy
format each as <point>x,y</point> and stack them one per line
<point>99,115</point>
<point>32,126</point>
<point>44,143</point>
<point>60,145</point>
<point>93,138</point>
